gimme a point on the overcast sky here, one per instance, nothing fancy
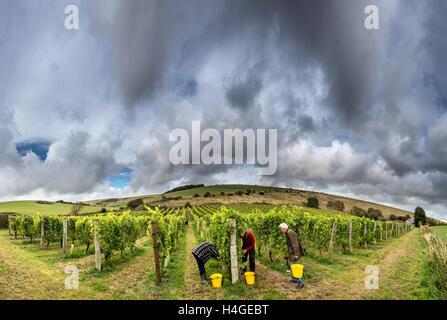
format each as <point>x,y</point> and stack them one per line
<point>87,113</point>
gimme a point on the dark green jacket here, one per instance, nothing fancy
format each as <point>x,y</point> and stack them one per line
<point>294,245</point>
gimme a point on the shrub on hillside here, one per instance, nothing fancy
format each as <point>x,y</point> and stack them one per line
<point>207,195</point>
<point>373,215</point>
<point>312,202</point>
<point>336,205</point>
<point>76,209</point>
<point>239,193</point>
<point>132,204</point>
<point>261,193</point>
<point>359,212</point>
<point>196,195</point>
<point>43,202</point>
<point>187,187</point>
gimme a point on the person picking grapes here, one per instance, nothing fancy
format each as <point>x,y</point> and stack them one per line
<point>295,250</point>
<point>202,253</point>
<point>248,249</point>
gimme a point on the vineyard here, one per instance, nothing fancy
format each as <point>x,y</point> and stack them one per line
<point>120,255</point>
<point>111,233</point>
<point>114,231</point>
<point>316,231</point>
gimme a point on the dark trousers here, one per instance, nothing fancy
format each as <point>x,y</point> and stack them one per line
<point>200,264</point>
<point>250,254</point>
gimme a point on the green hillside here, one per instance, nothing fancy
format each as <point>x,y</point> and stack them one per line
<point>226,194</point>
<point>230,194</point>
<point>33,207</point>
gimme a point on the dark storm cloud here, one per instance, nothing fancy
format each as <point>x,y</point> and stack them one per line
<point>146,38</point>
<point>241,93</point>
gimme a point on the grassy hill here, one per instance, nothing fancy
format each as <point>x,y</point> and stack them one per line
<point>231,194</point>
<point>259,194</point>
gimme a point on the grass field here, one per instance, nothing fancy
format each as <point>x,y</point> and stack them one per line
<point>440,231</point>
<point>32,208</point>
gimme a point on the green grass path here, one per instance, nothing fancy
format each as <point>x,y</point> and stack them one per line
<point>402,265</point>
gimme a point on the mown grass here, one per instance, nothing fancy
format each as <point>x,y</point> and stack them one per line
<point>172,277</point>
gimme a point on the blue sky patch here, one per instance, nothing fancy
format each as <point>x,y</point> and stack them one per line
<point>40,148</point>
<point>121,181</point>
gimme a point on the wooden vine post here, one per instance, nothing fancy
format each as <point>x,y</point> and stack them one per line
<point>350,236</point>
<point>15,228</point>
<point>331,244</point>
<point>97,247</point>
<point>375,226</point>
<point>64,239</point>
<point>9,227</point>
<point>233,252</point>
<point>386,231</point>
<point>42,234</point>
<point>364,235</point>
<point>156,253</point>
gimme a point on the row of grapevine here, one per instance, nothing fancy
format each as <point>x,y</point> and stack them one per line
<point>117,232</point>
<point>313,230</point>
<point>169,228</point>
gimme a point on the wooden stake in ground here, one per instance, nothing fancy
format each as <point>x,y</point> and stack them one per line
<point>9,227</point>
<point>350,236</point>
<point>331,244</point>
<point>233,252</point>
<point>386,231</point>
<point>364,235</point>
<point>156,254</point>
<point>42,234</point>
<point>64,239</point>
<point>97,247</point>
<point>15,228</point>
<point>391,232</point>
<point>375,225</point>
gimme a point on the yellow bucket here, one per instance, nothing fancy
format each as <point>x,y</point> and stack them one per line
<point>216,280</point>
<point>249,278</point>
<point>297,270</point>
